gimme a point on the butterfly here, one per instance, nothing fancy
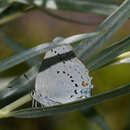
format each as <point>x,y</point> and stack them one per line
<point>62,78</point>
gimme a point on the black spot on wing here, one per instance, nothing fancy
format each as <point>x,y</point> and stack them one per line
<point>70,76</point>
<point>64,72</point>
<point>72,80</point>
<point>76,85</point>
<point>72,96</point>
<point>58,72</point>
<point>81,77</point>
<point>75,91</point>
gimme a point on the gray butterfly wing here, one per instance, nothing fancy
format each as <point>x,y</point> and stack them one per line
<point>62,82</point>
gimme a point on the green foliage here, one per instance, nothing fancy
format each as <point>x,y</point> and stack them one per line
<point>84,103</point>
<point>84,45</point>
<point>25,55</point>
<point>108,54</point>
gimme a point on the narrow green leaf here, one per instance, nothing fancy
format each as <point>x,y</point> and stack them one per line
<point>4,4</point>
<point>19,87</point>
<point>27,54</point>
<point>17,47</point>
<point>14,11</point>
<point>111,24</point>
<point>100,7</point>
<point>81,104</point>
<point>108,54</point>
<point>4,112</point>
<point>56,16</point>
<point>91,6</point>
<point>122,59</point>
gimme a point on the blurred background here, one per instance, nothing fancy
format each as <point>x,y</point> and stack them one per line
<point>37,27</point>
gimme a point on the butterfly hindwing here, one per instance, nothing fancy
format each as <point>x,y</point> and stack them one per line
<point>62,80</point>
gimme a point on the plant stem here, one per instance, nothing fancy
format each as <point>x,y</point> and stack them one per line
<point>5,112</point>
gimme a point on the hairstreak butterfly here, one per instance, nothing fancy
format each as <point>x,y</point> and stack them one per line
<point>62,78</point>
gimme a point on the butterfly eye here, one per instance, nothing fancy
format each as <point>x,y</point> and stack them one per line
<point>84,84</point>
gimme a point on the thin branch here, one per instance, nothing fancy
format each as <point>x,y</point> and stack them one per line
<point>49,13</point>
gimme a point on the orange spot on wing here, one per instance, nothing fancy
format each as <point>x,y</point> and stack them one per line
<point>84,84</point>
